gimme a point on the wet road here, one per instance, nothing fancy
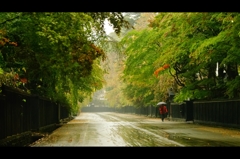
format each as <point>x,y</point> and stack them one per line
<point>115,129</point>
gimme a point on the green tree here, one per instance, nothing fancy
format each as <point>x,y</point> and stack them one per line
<point>138,69</point>
<point>193,43</point>
<point>57,54</point>
<point>185,49</point>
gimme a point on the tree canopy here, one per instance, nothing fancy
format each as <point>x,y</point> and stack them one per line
<point>55,54</point>
<point>60,55</point>
<point>195,54</point>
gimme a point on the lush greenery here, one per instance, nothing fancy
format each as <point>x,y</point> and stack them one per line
<point>197,55</point>
<point>55,54</point>
<point>67,56</point>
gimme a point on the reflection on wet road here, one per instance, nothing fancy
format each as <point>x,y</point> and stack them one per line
<point>115,129</point>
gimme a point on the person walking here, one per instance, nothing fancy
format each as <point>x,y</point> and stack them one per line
<point>163,111</point>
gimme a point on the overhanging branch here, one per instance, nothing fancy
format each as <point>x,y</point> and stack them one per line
<point>176,79</point>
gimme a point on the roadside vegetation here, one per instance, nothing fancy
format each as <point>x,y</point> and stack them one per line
<point>67,57</point>
<point>196,55</point>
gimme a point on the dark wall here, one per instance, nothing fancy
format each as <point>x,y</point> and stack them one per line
<point>21,112</point>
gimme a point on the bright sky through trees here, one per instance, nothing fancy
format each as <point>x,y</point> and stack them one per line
<point>107,27</point>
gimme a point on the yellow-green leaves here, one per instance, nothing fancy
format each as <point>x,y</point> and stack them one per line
<point>193,44</point>
<point>57,47</point>
<point>1,71</point>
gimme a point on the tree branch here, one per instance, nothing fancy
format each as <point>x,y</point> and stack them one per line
<point>176,79</point>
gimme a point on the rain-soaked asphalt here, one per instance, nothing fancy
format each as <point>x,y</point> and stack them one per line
<point>115,129</point>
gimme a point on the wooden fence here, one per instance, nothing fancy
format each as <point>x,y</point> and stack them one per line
<point>225,113</point>
<point>220,112</point>
<point>21,112</point>
<point>149,110</point>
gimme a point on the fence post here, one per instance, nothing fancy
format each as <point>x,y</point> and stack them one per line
<point>189,110</point>
<point>59,112</point>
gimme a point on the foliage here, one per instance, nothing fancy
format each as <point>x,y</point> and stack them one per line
<point>138,70</point>
<point>184,51</point>
<point>114,65</point>
<point>56,54</point>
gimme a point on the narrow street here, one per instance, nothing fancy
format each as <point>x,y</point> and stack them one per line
<point>129,130</point>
